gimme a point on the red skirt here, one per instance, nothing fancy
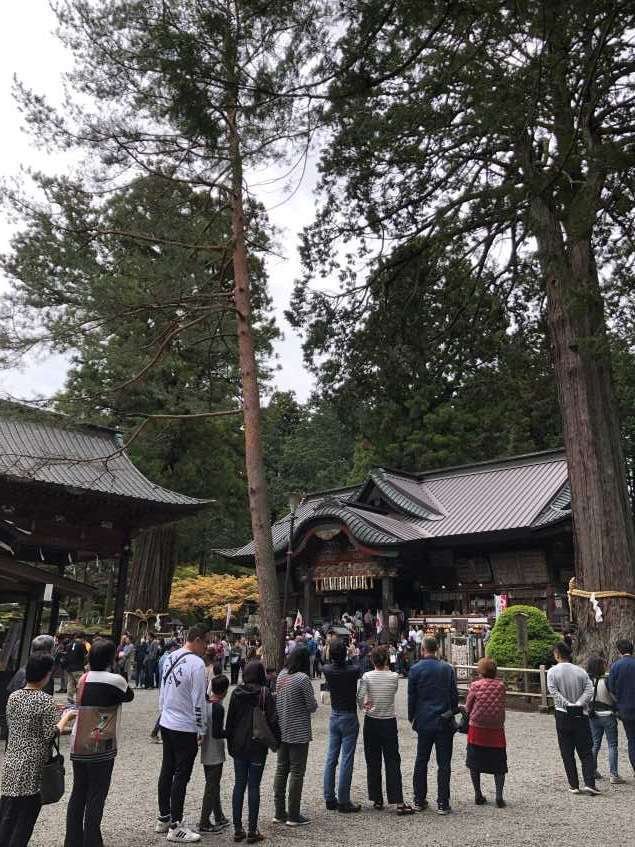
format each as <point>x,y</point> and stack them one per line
<point>482,737</point>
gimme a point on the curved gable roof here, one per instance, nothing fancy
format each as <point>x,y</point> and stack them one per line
<point>84,458</point>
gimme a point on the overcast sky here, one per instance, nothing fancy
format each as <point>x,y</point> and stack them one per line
<point>30,50</point>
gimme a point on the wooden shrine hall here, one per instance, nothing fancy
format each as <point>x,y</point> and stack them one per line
<point>432,545</point>
<point>68,494</point>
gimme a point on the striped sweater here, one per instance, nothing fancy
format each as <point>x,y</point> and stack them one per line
<point>378,689</point>
<point>295,703</point>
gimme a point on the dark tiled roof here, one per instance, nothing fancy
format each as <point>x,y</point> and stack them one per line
<point>85,458</point>
<point>528,491</point>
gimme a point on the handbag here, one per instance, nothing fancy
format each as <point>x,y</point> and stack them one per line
<point>260,729</point>
<point>462,722</point>
<point>52,786</point>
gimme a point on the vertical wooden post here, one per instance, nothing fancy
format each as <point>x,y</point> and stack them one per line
<point>120,597</point>
<point>544,704</point>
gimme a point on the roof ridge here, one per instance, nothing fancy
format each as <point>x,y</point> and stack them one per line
<point>521,460</point>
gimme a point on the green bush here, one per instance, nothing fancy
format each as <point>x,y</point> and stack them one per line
<point>503,643</point>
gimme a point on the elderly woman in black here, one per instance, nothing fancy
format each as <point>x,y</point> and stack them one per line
<point>33,724</point>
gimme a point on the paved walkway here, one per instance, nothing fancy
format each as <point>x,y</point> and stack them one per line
<point>540,810</point>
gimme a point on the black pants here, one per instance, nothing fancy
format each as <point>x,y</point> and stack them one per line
<point>574,736</point>
<point>290,767</point>
<point>381,739</point>
<point>211,796</point>
<point>91,782</point>
<point>17,819</point>
<point>179,754</point>
<point>234,669</point>
<point>442,740</point>
<point>629,729</point>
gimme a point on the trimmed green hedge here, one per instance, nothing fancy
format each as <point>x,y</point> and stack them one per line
<point>503,643</point>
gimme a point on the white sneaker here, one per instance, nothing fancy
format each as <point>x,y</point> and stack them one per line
<point>162,826</point>
<point>183,835</point>
<point>593,792</point>
<point>574,791</point>
<point>616,779</point>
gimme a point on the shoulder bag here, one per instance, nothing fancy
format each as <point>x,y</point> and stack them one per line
<point>260,730</point>
<point>52,786</point>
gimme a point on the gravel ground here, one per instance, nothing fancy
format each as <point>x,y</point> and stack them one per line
<point>540,810</point>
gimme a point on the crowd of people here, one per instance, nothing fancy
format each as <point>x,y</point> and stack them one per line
<point>269,712</point>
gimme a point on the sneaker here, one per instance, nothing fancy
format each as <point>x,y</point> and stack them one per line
<point>443,809</point>
<point>213,827</point>
<point>240,835</point>
<point>349,808</point>
<point>162,825</point>
<point>592,792</point>
<point>420,807</point>
<point>254,837</point>
<point>183,835</point>
<point>616,779</point>
<point>501,804</point>
<point>279,819</point>
<point>331,805</point>
<point>574,791</point>
<point>299,821</point>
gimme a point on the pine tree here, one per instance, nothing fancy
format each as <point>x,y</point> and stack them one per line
<point>196,93</point>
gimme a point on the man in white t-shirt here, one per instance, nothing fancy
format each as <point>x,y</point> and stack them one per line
<point>183,724</point>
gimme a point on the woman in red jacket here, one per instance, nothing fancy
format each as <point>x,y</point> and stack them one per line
<point>486,746</point>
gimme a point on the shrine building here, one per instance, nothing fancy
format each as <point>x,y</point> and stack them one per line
<point>435,546</point>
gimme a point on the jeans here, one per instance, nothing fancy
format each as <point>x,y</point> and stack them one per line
<point>179,754</point>
<point>629,729</point>
<point>574,736</point>
<point>343,732</point>
<point>91,783</point>
<point>606,724</point>
<point>248,776</point>
<point>381,739</point>
<point>291,765</point>
<point>442,740</point>
<point>211,796</point>
<point>17,819</point>
<point>234,670</point>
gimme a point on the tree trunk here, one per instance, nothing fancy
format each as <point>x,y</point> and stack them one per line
<point>152,569</point>
<point>269,606</point>
<point>604,536</point>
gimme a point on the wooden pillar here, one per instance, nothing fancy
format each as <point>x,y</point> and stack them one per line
<point>387,592</point>
<point>120,597</point>
<point>29,626</point>
<point>308,589</point>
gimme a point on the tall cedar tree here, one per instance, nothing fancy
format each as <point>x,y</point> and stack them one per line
<point>202,92</point>
<point>508,128</point>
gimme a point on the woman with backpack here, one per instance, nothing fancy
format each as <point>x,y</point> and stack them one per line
<point>249,753</point>
<point>603,718</point>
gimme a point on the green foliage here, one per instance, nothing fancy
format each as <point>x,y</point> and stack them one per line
<point>503,643</point>
<point>308,448</point>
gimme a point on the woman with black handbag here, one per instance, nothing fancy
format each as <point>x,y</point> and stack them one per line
<point>33,725</point>
<point>247,744</point>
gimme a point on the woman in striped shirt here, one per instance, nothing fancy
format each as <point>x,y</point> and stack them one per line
<point>376,696</point>
<point>295,703</point>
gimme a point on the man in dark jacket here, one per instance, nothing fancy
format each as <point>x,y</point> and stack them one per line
<point>75,665</point>
<point>42,645</point>
<point>341,678</point>
<point>433,699</point>
<point>622,686</point>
